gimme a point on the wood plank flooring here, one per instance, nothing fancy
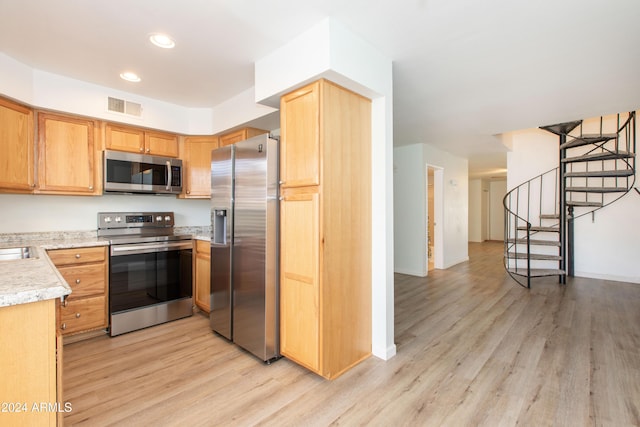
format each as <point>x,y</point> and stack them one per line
<point>474,348</point>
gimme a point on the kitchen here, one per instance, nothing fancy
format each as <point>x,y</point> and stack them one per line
<point>64,214</point>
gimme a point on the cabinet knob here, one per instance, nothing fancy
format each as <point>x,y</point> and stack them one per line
<point>77,256</point>
<point>281,182</point>
<point>188,192</point>
<point>77,315</point>
<point>77,281</point>
<point>91,187</point>
<point>141,149</point>
<point>148,150</point>
<point>64,326</point>
<point>65,303</point>
<point>281,198</point>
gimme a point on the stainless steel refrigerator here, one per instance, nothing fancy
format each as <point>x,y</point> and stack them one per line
<point>244,245</point>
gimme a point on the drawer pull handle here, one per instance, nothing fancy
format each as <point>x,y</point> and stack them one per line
<point>77,281</point>
<point>65,303</point>
<point>77,256</point>
<point>77,315</point>
<point>64,326</point>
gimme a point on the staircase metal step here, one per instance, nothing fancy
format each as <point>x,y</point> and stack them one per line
<point>601,174</point>
<point>584,204</point>
<point>550,216</point>
<point>562,128</point>
<point>536,272</point>
<point>588,139</point>
<point>536,228</point>
<point>534,242</point>
<point>539,257</point>
<point>598,189</point>
<point>599,156</point>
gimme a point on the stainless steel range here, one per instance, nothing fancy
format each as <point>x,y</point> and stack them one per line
<point>150,269</point>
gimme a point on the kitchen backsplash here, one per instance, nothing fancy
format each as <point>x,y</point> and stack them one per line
<point>10,238</point>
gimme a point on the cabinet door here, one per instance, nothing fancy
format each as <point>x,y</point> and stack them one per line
<point>196,159</point>
<point>203,274</point>
<point>299,279</point>
<point>124,138</point>
<point>28,362</point>
<point>232,137</point>
<point>16,147</point>
<point>240,135</point>
<point>161,144</point>
<point>67,154</point>
<point>300,145</point>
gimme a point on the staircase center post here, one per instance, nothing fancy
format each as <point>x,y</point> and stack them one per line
<point>563,209</point>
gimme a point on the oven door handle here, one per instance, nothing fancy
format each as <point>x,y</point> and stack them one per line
<point>119,250</point>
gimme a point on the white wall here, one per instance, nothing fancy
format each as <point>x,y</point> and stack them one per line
<point>476,211</point>
<point>497,190</point>
<point>329,50</point>
<point>607,248</point>
<point>409,215</point>
<point>410,198</point>
<point>26,213</point>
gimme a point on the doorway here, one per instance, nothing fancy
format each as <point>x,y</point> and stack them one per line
<point>434,249</point>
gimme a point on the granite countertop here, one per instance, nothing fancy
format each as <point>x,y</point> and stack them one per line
<point>37,279</point>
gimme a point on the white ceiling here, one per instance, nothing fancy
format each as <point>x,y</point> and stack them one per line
<point>464,70</point>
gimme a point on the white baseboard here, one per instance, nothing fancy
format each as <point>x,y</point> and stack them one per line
<point>384,353</point>
<point>410,272</point>
<point>607,277</point>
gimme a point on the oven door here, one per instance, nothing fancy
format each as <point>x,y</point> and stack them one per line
<point>155,277</point>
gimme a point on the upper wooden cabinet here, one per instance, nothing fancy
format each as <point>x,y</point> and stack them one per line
<point>325,228</point>
<point>68,155</point>
<point>195,152</point>
<point>16,148</point>
<point>300,128</point>
<point>240,135</point>
<point>136,140</point>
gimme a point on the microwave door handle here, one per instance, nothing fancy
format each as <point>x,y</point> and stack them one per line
<point>168,187</point>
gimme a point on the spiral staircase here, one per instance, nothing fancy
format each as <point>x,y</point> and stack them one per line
<point>596,168</point>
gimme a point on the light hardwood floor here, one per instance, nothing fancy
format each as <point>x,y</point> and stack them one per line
<point>474,348</point>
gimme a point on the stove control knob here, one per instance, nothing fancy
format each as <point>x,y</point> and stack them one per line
<point>158,218</point>
<point>167,218</point>
<point>118,219</point>
<point>107,219</point>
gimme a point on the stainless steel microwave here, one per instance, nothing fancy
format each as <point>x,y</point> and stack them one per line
<point>140,173</point>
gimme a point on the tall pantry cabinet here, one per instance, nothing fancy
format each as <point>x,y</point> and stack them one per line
<point>325,208</point>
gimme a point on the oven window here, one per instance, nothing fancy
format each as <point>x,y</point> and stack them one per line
<point>142,280</point>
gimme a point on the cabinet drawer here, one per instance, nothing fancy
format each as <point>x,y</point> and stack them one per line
<point>77,255</point>
<point>85,280</point>
<point>83,314</point>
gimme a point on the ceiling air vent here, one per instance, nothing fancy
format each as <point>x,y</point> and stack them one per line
<point>124,107</point>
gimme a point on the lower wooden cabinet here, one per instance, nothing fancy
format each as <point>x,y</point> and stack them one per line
<point>86,271</point>
<point>83,314</point>
<point>29,364</point>
<point>202,274</point>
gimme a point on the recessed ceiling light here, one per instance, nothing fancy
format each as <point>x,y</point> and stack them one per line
<point>162,40</point>
<point>129,76</point>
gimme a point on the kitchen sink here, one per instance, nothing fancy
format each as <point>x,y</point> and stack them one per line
<point>19,252</point>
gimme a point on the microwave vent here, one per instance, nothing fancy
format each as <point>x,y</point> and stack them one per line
<point>122,106</point>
